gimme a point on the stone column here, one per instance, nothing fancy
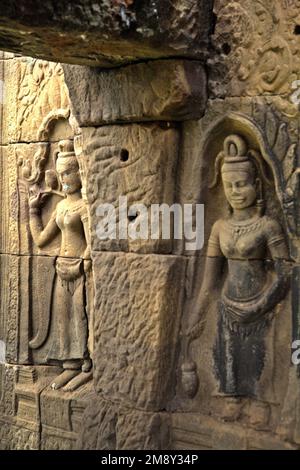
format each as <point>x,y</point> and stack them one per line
<point>129,146</point>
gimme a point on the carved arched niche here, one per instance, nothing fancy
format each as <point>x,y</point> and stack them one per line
<point>205,364</point>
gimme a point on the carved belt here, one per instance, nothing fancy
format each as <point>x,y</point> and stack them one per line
<point>242,323</point>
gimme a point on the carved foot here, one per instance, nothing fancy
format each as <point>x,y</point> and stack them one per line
<point>87,365</point>
<point>259,416</point>
<point>64,378</point>
<point>78,381</point>
<point>232,409</point>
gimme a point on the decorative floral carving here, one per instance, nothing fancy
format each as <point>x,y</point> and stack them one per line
<point>256,51</point>
<point>41,90</point>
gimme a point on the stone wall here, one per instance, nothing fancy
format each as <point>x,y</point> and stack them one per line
<point>159,131</point>
<point>32,415</point>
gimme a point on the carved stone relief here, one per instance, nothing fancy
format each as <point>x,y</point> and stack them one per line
<point>250,292</point>
<point>249,391</point>
<point>33,89</point>
<point>190,349</point>
<point>72,266</point>
<point>257,50</point>
<point>49,289</point>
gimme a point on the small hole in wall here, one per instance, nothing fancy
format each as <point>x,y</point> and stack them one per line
<point>226,48</point>
<point>132,217</point>
<point>124,155</point>
<point>297,29</point>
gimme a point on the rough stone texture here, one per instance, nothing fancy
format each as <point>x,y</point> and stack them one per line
<point>145,431</point>
<point>135,349</point>
<point>111,427</point>
<point>157,90</point>
<point>10,302</point>
<point>199,432</point>
<point>99,429</point>
<point>133,161</point>
<point>107,32</point>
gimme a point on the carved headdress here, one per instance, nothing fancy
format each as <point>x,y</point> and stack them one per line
<point>236,156</point>
<point>66,156</point>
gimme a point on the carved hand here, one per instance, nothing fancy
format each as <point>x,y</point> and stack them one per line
<point>251,312</point>
<point>196,323</point>
<point>36,201</point>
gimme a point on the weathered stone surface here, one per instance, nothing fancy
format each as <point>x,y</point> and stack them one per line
<point>6,55</point>
<point>135,349</point>
<point>13,437</point>
<point>99,425</point>
<point>34,92</point>
<point>10,306</point>
<point>142,431</point>
<point>157,90</point>
<point>61,417</point>
<point>1,97</point>
<point>133,161</point>
<point>7,387</point>
<point>226,381</point>
<point>256,50</point>
<point>105,33</point>
<point>108,426</point>
<point>30,382</point>
<point>201,432</point>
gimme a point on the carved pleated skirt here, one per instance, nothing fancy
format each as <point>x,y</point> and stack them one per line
<point>239,354</point>
<point>69,323</point>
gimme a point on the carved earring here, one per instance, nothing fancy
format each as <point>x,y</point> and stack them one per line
<point>229,209</point>
<point>260,203</point>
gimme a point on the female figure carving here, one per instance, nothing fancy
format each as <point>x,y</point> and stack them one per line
<point>238,249</point>
<point>69,320</point>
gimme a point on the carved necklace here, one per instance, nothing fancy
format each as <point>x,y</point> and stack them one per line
<point>238,229</point>
<point>67,211</point>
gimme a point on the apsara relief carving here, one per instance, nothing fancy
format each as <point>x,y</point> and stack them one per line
<point>65,324</point>
<point>246,276</point>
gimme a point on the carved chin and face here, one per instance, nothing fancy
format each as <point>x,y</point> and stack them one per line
<point>70,178</point>
<point>239,188</point>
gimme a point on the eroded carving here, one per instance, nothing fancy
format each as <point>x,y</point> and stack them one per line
<point>256,49</point>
